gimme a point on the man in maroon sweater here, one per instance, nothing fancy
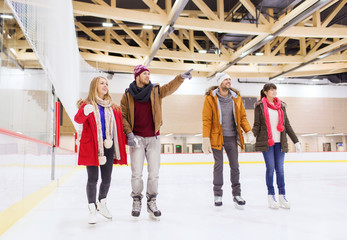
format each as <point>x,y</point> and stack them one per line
<point>142,118</point>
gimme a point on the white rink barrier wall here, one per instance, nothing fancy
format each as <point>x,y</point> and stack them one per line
<point>26,167</point>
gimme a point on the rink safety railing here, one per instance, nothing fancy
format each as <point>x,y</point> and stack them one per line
<point>26,163</point>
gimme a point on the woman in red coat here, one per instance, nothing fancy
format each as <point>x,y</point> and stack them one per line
<point>102,143</point>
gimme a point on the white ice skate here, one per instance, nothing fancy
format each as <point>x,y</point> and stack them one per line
<point>92,213</point>
<point>218,201</point>
<point>152,209</point>
<point>272,202</point>
<point>102,209</point>
<point>239,202</point>
<point>283,202</point>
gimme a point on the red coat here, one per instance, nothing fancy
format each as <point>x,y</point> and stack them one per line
<point>88,151</point>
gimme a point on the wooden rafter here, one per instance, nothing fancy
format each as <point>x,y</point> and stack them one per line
<point>196,30</point>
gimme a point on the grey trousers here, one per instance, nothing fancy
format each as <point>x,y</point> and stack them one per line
<point>230,146</point>
<point>149,148</point>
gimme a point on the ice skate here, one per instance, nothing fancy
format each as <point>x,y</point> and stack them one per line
<point>136,207</point>
<point>102,209</point>
<point>239,202</point>
<point>92,213</point>
<point>283,202</point>
<point>272,202</point>
<point>152,209</point>
<point>218,201</point>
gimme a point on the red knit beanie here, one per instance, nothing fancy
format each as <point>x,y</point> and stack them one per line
<point>139,69</point>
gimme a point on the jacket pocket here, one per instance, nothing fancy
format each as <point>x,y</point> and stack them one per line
<point>214,138</point>
<point>86,139</point>
<point>86,147</point>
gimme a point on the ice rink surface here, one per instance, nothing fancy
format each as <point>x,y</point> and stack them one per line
<point>317,192</point>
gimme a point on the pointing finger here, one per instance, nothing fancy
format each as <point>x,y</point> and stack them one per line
<point>189,70</point>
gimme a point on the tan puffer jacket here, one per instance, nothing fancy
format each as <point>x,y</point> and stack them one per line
<point>211,123</point>
<point>157,94</point>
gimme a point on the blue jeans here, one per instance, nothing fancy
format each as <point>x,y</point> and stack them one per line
<point>274,160</point>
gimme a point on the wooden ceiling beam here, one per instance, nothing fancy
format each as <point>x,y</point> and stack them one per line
<point>88,9</point>
<point>252,10</point>
<point>206,10</point>
<point>152,5</point>
<point>331,16</point>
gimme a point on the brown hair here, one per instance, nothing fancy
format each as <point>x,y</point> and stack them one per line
<point>266,88</point>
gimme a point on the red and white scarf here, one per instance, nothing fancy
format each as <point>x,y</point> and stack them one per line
<point>276,106</point>
<point>110,128</point>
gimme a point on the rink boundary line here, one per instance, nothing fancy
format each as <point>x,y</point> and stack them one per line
<point>11,215</point>
<point>315,161</point>
<point>35,166</point>
<point>240,162</point>
<point>251,162</point>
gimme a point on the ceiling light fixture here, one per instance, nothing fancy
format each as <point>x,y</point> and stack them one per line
<point>309,134</point>
<point>335,134</point>
<point>147,27</point>
<point>107,24</point>
<point>6,16</point>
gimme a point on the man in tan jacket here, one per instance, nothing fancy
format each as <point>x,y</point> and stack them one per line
<point>142,118</point>
<point>224,118</point>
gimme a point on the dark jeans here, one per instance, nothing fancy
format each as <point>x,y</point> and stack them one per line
<point>230,146</point>
<point>93,175</point>
<point>274,160</point>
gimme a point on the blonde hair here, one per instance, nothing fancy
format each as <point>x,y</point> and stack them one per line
<point>93,92</point>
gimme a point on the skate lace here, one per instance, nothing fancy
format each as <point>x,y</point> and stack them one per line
<point>137,205</point>
<point>274,199</point>
<point>152,206</point>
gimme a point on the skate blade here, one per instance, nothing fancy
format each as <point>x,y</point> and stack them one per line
<point>284,207</point>
<point>105,216</point>
<point>240,207</point>
<point>151,215</point>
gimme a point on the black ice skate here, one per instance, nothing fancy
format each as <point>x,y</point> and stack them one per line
<point>239,202</point>
<point>136,207</point>
<point>152,208</point>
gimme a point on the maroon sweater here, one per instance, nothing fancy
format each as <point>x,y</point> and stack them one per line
<point>143,119</point>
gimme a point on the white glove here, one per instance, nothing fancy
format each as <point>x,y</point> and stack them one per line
<point>206,145</point>
<point>132,140</point>
<point>88,109</point>
<point>187,74</point>
<point>298,147</point>
<point>250,137</point>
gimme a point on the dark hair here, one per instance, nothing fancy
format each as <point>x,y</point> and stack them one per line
<point>267,87</point>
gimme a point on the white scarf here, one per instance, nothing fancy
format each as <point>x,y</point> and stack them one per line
<point>110,130</point>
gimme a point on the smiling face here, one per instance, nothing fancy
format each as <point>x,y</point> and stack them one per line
<point>102,88</point>
<point>143,79</point>
<point>226,84</point>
